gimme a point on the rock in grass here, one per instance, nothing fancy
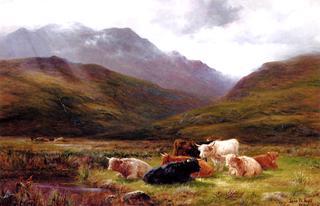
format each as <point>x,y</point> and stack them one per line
<point>137,198</point>
<point>8,199</point>
<point>111,186</point>
<point>109,200</point>
<point>275,196</point>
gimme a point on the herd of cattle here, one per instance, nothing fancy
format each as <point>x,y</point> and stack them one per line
<point>189,160</point>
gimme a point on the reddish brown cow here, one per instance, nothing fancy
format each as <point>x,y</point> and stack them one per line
<point>267,161</point>
<point>205,169</point>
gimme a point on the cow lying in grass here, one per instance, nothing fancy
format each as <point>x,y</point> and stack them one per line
<point>205,169</point>
<point>129,168</point>
<point>243,166</point>
<point>267,161</point>
<point>217,150</point>
<point>183,147</point>
<point>175,172</point>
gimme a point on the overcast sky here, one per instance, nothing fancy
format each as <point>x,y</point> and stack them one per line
<point>232,36</point>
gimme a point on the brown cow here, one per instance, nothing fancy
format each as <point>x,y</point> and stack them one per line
<point>205,169</point>
<point>182,147</point>
<point>267,161</point>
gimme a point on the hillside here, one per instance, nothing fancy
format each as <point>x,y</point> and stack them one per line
<point>121,50</point>
<point>51,96</point>
<point>278,103</point>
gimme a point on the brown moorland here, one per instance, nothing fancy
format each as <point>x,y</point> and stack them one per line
<point>279,103</point>
<point>51,96</point>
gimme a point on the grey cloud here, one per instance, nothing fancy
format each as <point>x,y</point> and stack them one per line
<point>208,14</point>
<point>202,14</point>
<point>302,39</point>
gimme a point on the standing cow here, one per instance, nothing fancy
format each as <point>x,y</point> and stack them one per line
<point>175,172</point>
<point>217,150</point>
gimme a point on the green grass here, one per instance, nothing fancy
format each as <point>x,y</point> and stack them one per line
<point>222,189</point>
<point>297,176</point>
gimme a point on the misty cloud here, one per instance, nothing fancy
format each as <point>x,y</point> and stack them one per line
<point>209,13</point>
<point>232,36</point>
<point>192,15</point>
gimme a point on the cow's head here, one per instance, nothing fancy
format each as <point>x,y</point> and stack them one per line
<point>207,150</point>
<point>228,158</point>
<point>237,163</point>
<point>114,164</point>
<point>193,165</point>
<point>273,155</point>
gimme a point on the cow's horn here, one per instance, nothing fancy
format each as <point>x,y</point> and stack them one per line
<point>163,154</point>
<point>197,145</point>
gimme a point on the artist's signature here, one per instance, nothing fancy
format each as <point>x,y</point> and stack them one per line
<point>303,202</point>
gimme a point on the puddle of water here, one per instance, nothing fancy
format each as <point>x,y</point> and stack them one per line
<point>63,185</point>
<point>68,187</point>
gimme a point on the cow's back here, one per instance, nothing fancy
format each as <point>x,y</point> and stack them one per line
<point>252,167</point>
<point>185,148</point>
<point>266,161</point>
<point>206,170</point>
<point>225,147</point>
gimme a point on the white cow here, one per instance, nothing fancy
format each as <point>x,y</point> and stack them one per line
<point>217,151</point>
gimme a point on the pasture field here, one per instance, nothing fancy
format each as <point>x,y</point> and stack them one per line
<point>297,179</point>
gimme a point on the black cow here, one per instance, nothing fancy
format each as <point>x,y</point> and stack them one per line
<point>175,172</point>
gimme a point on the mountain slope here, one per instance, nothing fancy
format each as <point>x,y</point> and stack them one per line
<point>278,103</point>
<point>120,50</point>
<point>51,96</point>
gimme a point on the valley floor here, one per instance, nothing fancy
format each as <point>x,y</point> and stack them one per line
<point>297,180</point>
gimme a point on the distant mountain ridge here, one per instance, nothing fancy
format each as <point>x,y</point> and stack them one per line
<point>52,96</point>
<point>121,50</point>
<point>279,103</point>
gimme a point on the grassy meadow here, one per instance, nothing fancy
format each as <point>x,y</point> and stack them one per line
<point>297,177</point>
